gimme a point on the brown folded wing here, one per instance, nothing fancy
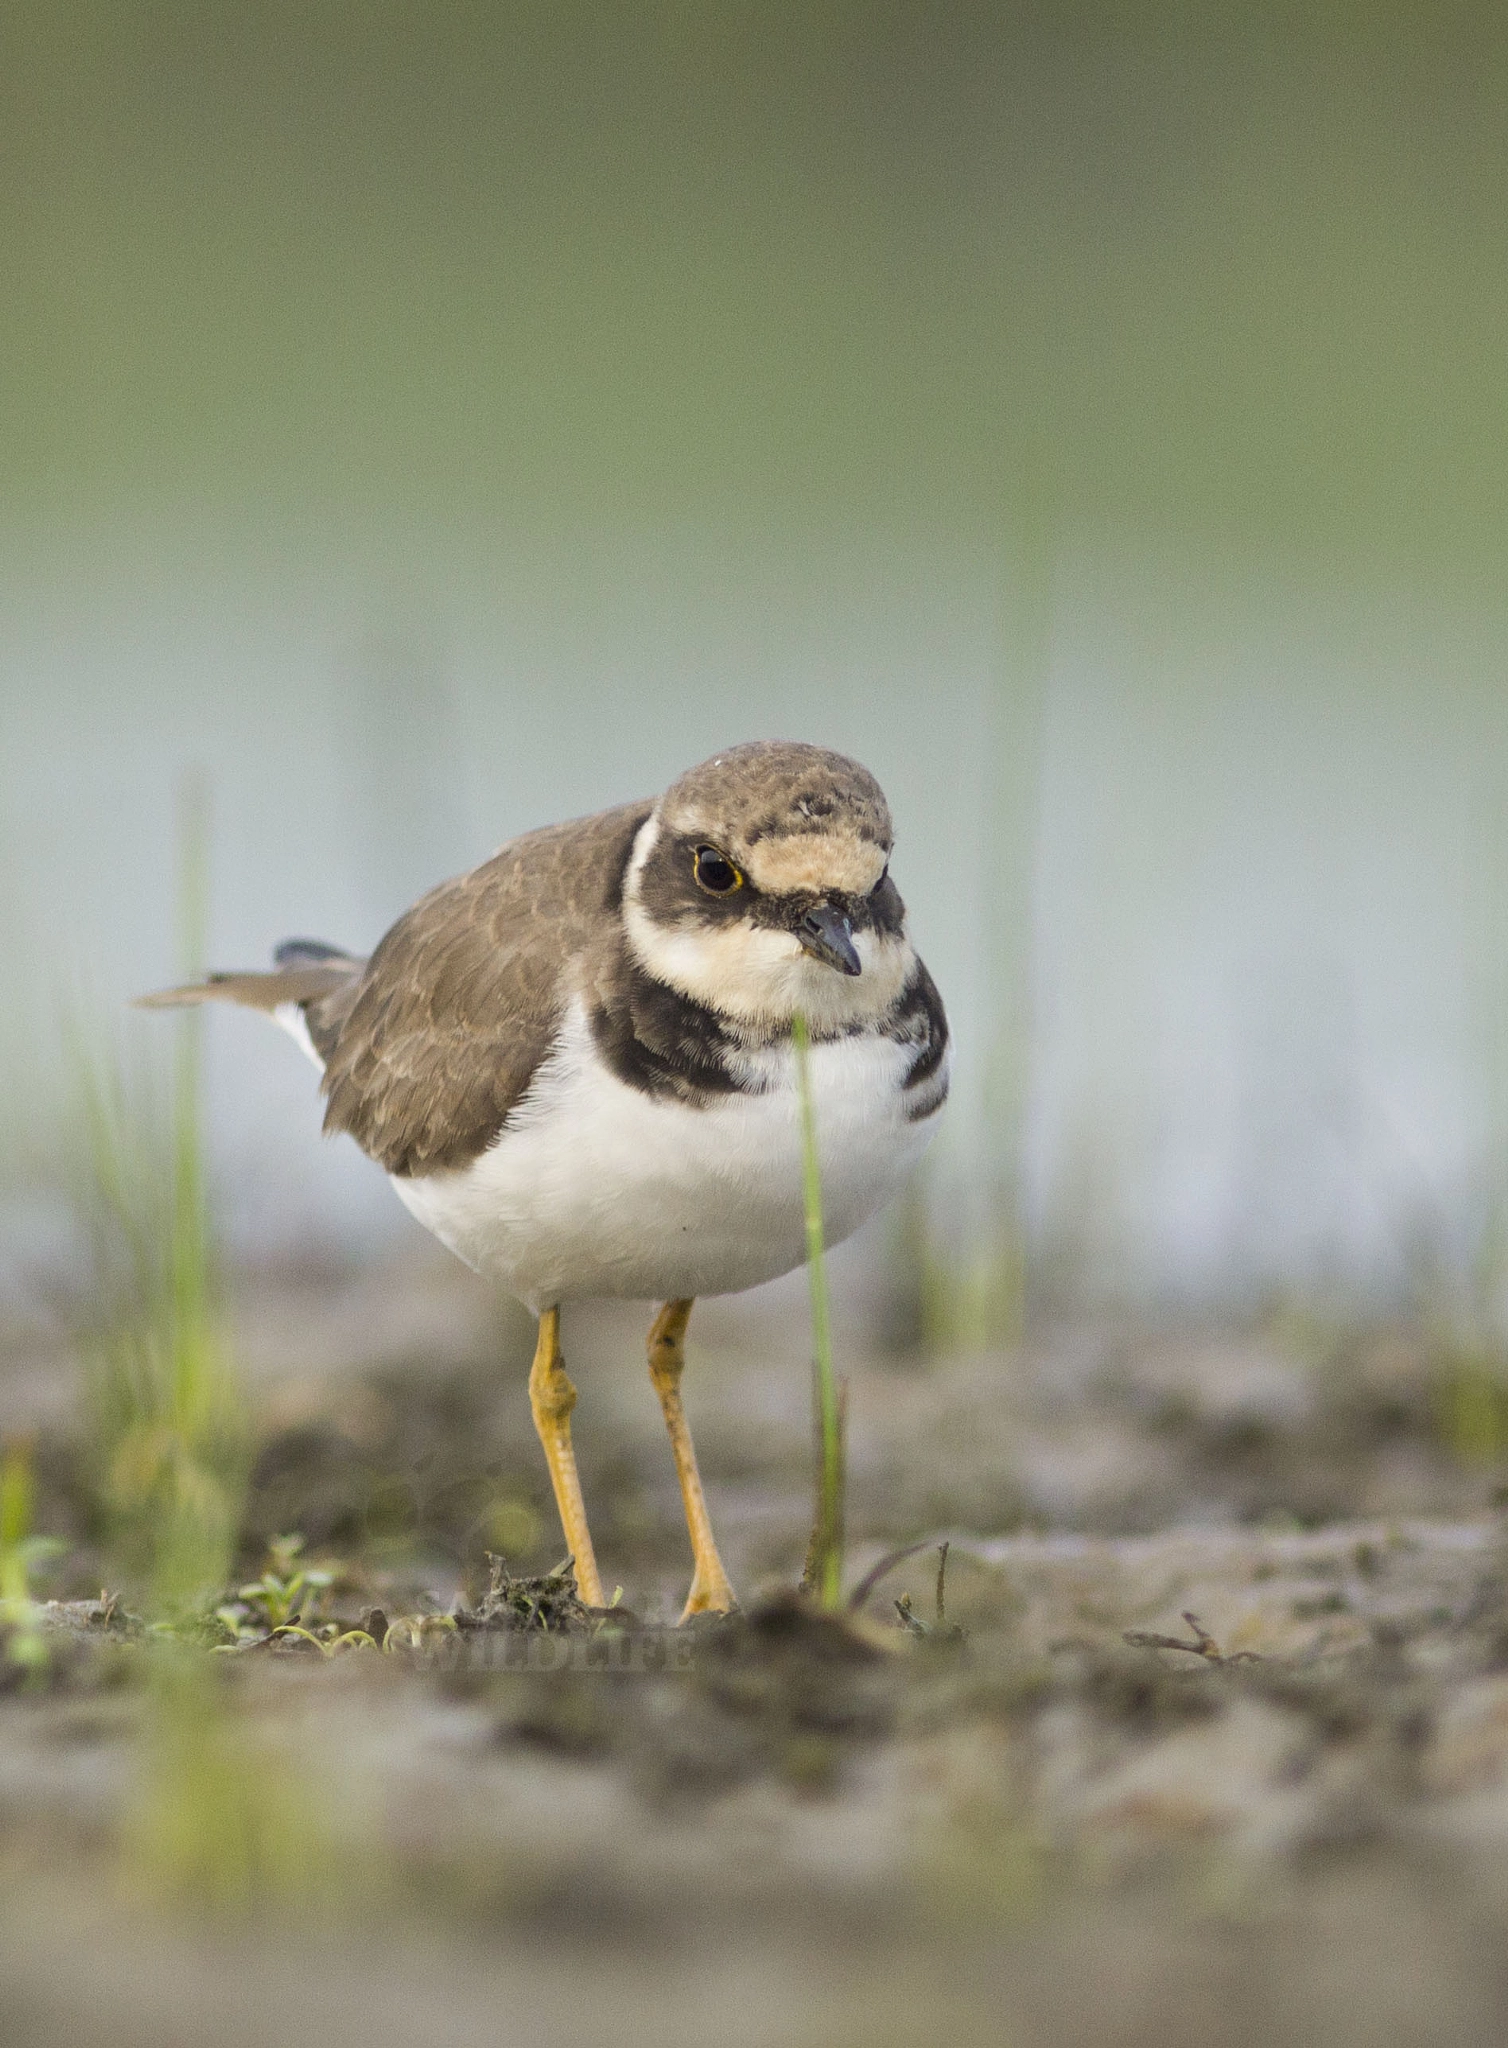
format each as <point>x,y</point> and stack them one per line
<point>464,997</point>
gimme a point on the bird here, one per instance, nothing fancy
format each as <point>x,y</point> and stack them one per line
<point>577,1062</point>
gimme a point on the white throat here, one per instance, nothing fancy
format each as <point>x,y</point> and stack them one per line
<point>758,976</point>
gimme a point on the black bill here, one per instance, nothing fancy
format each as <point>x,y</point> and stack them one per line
<point>827,935</point>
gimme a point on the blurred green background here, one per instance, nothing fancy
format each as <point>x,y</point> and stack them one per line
<point>432,420</point>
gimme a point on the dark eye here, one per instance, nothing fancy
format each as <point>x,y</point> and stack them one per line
<point>716,872</point>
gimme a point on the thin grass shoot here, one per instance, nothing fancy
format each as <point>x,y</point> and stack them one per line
<point>824,1569</point>
<point>171,1435</point>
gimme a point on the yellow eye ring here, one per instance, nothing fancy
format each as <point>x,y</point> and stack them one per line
<point>715,872</point>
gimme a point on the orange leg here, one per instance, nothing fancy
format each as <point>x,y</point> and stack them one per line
<point>552,1397</point>
<point>710,1591</point>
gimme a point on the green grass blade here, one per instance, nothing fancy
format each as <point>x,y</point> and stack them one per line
<point>171,1435</point>
<point>824,1573</point>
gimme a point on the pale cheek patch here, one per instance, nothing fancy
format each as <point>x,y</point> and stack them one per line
<point>763,977</point>
<point>837,861</point>
<point>737,969</point>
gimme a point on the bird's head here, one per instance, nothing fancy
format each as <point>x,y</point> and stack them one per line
<point>760,885</point>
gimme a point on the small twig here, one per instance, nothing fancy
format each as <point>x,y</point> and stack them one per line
<point>908,1619</point>
<point>942,1574</point>
<point>876,1572</point>
<point>1203,1645</point>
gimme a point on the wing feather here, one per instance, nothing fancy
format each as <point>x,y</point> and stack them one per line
<point>464,997</point>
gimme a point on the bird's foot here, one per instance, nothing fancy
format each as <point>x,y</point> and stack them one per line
<point>710,1594</point>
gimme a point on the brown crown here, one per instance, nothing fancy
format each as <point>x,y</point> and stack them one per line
<point>777,789</point>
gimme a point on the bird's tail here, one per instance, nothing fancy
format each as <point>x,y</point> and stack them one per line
<point>309,991</point>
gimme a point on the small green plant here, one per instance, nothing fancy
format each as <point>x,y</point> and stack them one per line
<point>287,1592</point>
<point>170,1434</point>
<point>219,1819</point>
<point>975,1303</point>
<point>1471,1406</point>
<point>955,1289</point>
<point>20,1553</point>
<point>824,1565</point>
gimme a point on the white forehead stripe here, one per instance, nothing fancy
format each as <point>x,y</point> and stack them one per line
<point>814,860</point>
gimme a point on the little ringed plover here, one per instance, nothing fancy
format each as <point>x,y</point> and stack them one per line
<point>576,1062</point>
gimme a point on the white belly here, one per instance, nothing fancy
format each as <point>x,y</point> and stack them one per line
<point>598,1189</point>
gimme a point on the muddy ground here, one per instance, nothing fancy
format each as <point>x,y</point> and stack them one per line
<point>1026,1820</point>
